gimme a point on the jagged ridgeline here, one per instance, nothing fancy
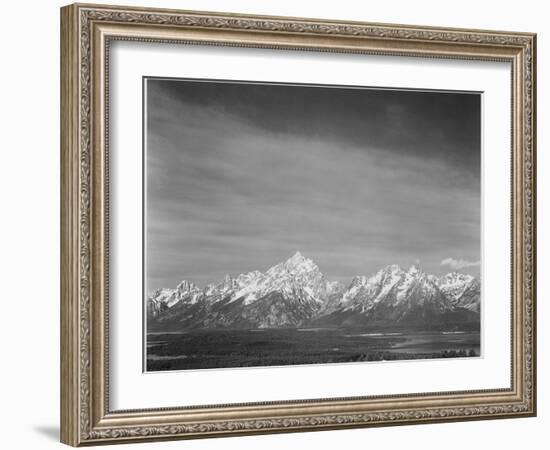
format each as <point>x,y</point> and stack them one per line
<point>296,294</point>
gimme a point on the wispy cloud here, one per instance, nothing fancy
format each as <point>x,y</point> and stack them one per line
<point>458,264</point>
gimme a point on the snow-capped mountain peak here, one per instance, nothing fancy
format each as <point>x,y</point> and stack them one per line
<point>296,264</point>
<point>164,299</point>
<point>296,259</point>
<point>186,286</point>
<point>296,292</point>
<point>461,289</point>
<point>456,278</point>
<point>392,269</point>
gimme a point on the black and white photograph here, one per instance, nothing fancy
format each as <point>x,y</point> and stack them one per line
<point>297,224</point>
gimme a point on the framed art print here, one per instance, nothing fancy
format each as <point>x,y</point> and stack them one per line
<point>255,209</point>
<point>265,175</point>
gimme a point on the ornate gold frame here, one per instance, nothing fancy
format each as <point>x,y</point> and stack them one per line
<point>86,31</point>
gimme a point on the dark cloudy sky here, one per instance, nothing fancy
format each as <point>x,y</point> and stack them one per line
<point>240,176</point>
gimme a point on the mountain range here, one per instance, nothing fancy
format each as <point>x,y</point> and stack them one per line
<point>295,293</point>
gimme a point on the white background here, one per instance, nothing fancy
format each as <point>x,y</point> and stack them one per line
<point>131,389</point>
<point>29,177</point>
